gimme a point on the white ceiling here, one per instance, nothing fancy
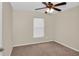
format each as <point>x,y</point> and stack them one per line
<point>31,6</point>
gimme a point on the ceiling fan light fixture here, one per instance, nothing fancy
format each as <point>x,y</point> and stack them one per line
<point>49,10</point>
<point>50,7</point>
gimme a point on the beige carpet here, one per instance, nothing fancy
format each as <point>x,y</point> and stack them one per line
<point>44,49</point>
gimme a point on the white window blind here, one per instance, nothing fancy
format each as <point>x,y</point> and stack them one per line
<point>38,27</point>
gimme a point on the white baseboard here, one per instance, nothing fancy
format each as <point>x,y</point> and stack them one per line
<point>4,53</point>
<point>10,52</point>
<point>49,41</point>
<point>67,46</point>
<point>33,43</point>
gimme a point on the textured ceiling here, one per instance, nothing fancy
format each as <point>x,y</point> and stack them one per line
<point>31,6</point>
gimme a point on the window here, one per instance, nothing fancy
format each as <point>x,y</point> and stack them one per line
<point>38,27</point>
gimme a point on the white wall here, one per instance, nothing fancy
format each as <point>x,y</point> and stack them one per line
<point>7,28</point>
<point>0,26</point>
<point>67,28</point>
<point>23,27</point>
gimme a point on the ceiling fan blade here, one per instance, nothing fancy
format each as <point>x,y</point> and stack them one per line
<point>44,3</point>
<point>40,8</point>
<point>57,9</point>
<point>62,3</point>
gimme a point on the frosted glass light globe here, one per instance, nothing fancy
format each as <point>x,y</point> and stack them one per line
<point>49,10</point>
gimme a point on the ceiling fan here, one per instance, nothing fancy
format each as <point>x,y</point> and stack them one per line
<point>50,6</point>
